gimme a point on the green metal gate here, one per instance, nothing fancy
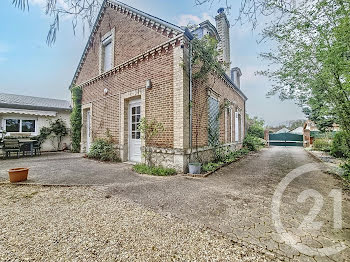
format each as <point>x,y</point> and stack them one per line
<point>285,139</point>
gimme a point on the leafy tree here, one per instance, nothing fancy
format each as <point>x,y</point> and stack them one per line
<point>255,126</point>
<point>312,59</point>
<point>58,130</point>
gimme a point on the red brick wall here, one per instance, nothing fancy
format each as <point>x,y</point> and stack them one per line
<point>159,99</point>
<point>200,107</point>
<point>131,39</point>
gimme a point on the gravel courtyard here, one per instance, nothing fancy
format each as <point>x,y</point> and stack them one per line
<point>83,224</point>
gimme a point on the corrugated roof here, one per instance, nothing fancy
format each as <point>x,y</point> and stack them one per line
<point>32,102</point>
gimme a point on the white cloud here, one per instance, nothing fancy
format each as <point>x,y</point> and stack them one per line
<point>185,19</point>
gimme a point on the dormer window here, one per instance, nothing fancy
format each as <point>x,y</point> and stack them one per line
<point>107,52</point>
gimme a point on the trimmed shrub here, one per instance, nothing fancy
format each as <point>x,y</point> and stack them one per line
<point>322,144</point>
<point>253,143</point>
<point>339,146</point>
<point>103,150</point>
<point>153,170</point>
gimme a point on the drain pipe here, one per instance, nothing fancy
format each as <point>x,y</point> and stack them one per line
<point>190,95</point>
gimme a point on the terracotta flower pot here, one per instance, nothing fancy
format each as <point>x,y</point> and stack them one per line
<point>18,174</point>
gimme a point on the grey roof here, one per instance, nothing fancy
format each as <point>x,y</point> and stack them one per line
<point>32,102</point>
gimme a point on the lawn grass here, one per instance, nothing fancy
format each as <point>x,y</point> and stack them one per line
<point>153,170</point>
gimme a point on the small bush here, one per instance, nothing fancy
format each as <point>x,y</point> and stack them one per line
<point>228,158</point>
<point>154,170</point>
<point>253,143</point>
<point>339,146</point>
<point>322,144</point>
<point>346,167</point>
<point>211,166</point>
<point>103,150</point>
<point>256,130</point>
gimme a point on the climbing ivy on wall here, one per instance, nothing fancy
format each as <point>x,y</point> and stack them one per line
<point>206,68</point>
<point>75,118</point>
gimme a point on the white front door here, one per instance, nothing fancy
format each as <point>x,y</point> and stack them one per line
<point>134,131</point>
<point>88,128</point>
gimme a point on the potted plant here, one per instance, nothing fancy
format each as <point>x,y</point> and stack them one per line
<point>18,174</point>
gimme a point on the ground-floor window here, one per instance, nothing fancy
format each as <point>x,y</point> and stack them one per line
<point>13,125</point>
<point>213,121</point>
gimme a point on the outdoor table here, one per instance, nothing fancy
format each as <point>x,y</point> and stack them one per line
<point>28,142</point>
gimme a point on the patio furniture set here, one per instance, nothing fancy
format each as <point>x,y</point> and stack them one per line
<point>18,146</point>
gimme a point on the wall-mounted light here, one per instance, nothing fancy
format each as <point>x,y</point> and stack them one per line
<point>148,84</point>
<point>105,91</point>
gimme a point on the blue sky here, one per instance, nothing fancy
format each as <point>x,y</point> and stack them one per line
<point>29,67</point>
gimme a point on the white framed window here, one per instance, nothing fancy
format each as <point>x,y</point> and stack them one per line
<point>107,52</point>
<point>16,125</point>
<point>213,121</point>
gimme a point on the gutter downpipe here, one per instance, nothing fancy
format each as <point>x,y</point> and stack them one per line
<point>190,91</point>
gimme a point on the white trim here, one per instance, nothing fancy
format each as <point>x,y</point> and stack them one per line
<point>231,116</point>
<point>133,103</point>
<point>109,37</point>
<point>27,112</point>
<point>236,127</point>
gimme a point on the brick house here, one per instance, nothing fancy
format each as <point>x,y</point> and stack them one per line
<point>132,67</point>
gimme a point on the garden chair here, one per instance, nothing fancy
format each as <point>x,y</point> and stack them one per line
<point>11,145</point>
<point>37,147</point>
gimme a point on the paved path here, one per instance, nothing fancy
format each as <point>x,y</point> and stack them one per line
<point>235,200</point>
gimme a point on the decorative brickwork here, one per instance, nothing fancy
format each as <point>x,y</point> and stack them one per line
<point>148,52</point>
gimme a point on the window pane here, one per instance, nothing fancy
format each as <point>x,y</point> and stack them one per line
<point>133,110</point>
<point>213,122</point>
<point>138,135</point>
<point>12,125</point>
<point>138,111</point>
<point>133,127</point>
<point>28,125</point>
<point>138,117</point>
<point>133,135</point>
<point>107,59</point>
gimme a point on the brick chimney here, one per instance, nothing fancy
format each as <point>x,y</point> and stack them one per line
<point>236,76</point>
<point>223,28</point>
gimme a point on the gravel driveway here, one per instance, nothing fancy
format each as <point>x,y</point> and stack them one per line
<point>82,224</point>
